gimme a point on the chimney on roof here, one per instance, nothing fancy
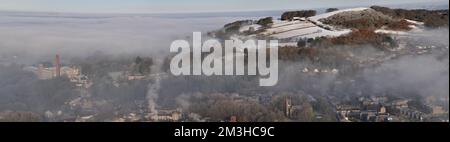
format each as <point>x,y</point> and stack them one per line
<point>57,66</point>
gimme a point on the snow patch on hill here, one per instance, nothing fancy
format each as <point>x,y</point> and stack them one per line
<point>289,32</point>
<point>416,28</point>
<point>316,18</point>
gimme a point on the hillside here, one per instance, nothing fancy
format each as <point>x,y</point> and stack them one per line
<point>367,18</point>
<point>306,26</point>
<point>431,18</point>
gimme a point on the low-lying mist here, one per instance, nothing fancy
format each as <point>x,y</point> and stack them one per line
<point>109,43</point>
<point>37,36</point>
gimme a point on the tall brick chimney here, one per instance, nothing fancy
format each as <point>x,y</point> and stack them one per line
<point>40,71</point>
<point>57,66</point>
<point>288,106</point>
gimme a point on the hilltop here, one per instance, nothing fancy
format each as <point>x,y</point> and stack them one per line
<point>305,26</point>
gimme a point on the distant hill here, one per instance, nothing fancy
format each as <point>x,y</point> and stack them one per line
<point>367,18</point>
<point>431,18</point>
<point>351,26</point>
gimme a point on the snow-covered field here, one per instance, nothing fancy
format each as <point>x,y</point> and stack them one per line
<point>310,32</point>
<point>308,28</point>
<point>304,28</point>
<point>298,25</point>
<point>416,28</point>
